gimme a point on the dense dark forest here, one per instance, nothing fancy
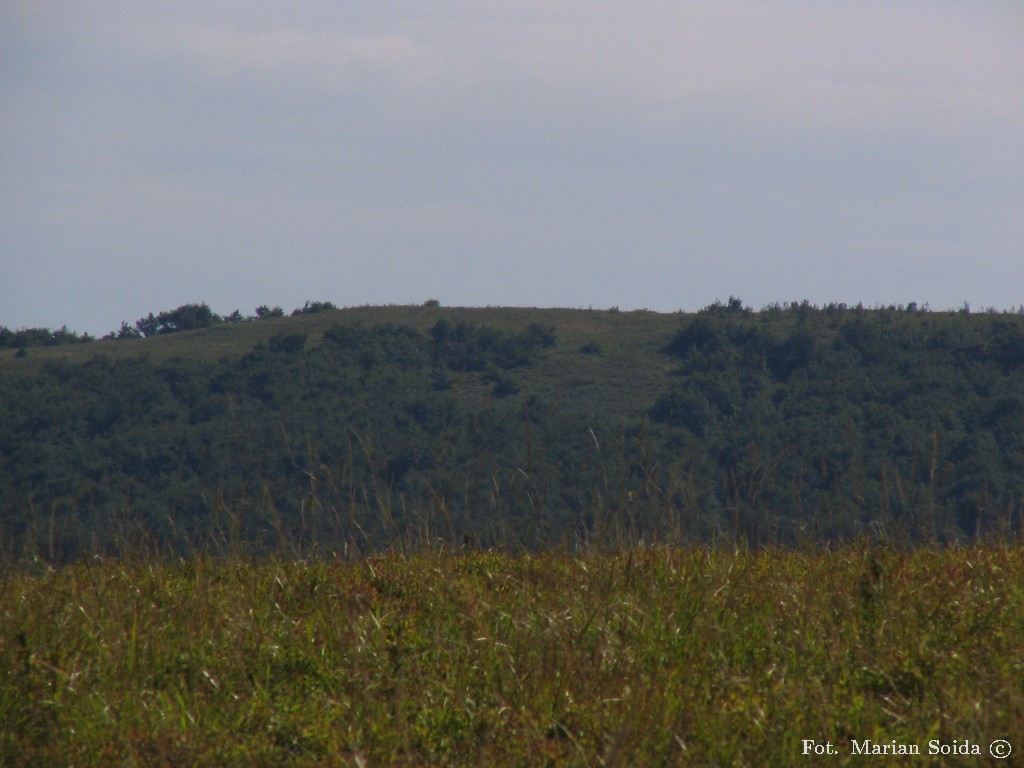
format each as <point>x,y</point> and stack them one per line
<point>342,431</point>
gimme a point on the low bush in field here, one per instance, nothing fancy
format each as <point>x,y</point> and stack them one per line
<point>654,656</point>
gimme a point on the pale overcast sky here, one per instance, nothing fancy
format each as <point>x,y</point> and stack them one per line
<point>643,154</point>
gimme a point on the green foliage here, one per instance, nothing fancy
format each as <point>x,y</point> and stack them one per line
<point>850,418</point>
<point>312,307</point>
<point>187,317</point>
<point>288,343</point>
<point>263,312</point>
<point>351,430</point>
<point>40,337</point>
<point>465,347</point>
<point>639,656</point>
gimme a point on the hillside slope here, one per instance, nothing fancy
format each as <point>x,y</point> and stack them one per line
<point>386,426</point>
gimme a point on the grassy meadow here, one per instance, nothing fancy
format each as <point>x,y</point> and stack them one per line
<point>638,656</point>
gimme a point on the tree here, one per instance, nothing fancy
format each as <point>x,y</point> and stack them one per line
<point>147,326</point>
<point>311,307</point>
<point>187,317</point>
<point>128,332</point>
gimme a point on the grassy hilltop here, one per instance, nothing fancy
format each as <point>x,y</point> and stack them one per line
<point>625,364</point>
<point>354,429</point>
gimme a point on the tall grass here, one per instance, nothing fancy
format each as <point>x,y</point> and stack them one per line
<point>642,656</point>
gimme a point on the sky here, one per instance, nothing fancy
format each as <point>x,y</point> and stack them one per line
<point>647,154</point>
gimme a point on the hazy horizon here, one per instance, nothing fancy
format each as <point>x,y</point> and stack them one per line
<point>652,155</point>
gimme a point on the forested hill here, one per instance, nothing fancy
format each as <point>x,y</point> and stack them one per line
<point>355,429</point>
